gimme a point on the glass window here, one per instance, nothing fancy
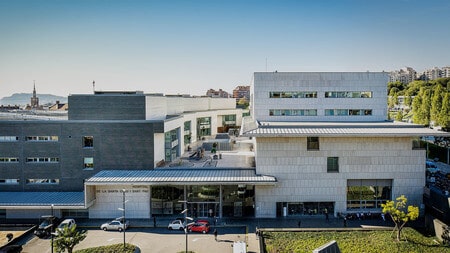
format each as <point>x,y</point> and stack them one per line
<point>368,193</point>
<point>89,163</point>
<point>8,138</point>
<point>312,143</point>
<point>42,181</point>
<point>332,164</point>
<point>88,141</point>
<point>9,181</point>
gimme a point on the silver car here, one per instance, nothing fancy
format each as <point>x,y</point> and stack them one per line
<point>117,224</point>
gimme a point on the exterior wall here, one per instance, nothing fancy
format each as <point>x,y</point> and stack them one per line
<point>302,175</point>
<point>107,107</point>
<point>155,108</point>
<point>159,148</point>
<point>116,146</point>
<point>266,82</point>
<point>110,198</point>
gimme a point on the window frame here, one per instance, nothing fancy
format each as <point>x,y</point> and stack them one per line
<point>311,143</point>
<point>332,164</point>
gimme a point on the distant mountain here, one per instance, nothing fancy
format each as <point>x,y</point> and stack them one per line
<point>24,99</point>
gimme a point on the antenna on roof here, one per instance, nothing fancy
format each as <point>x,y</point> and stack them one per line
<point>93,86</point>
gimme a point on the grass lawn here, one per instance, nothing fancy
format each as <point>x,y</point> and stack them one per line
<point>352,241</point>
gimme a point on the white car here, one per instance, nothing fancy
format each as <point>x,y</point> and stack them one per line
<point>176,225</point>
<point>65,223</point>
<point>116,224</point>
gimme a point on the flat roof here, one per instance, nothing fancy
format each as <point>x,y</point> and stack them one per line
<point>24,200</point>
<point>181,176</point>
<point>341,129</point>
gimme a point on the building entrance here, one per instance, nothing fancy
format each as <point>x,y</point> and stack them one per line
<point>205,209</point>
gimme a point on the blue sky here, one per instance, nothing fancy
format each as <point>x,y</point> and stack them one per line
<point>187,47</point>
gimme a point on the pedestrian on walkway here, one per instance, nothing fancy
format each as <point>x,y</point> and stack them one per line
<point>299,223</point>
<point>215,234</point>
<point>326,214</point>
<point>154,221</point>
<point>345,221</point>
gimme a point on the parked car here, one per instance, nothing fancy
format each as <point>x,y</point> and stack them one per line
<point>202,221</point>
<point>117,224</point>
<point>65,223</point>
<point>199,227</point>
<point>176,225</point>
<point>45,227</point>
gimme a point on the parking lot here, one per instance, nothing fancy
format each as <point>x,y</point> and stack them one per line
<point>152,240</point>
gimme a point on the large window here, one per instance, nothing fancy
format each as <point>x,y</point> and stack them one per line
<point>312,143</point>
<point>88,141</point>
<point>332,164</point>
<point>368,193</point>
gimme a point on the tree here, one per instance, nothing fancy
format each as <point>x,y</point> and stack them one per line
<point>67,238</point>
<point>444,114</point>
<point>399,116</point>
<point>396,211</point>
<point>436,103</point>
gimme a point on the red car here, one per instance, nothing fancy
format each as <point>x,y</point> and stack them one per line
<point>199,227</point>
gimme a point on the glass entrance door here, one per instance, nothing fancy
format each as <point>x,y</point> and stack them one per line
<point>207,209</point>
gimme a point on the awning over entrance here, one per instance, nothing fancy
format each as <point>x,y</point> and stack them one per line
<point>181,176</point>
<point>32,200</point>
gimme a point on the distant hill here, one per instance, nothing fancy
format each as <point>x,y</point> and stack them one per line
<point>24,99</point>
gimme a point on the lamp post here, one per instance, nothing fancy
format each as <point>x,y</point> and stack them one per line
<point>123,216</point>
<point>186,218</point>
<point>51,230</point>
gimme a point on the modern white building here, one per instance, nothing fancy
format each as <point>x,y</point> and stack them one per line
<point>325,138</point>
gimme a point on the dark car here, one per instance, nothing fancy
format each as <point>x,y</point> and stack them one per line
<point>45,227</point>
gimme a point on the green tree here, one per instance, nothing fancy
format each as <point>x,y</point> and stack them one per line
<point>243,102</point>
<point>421,107</point>
<point>399,213</point>
<point>67,238</point>
<point>444,113</point>
<point>399,116</point>
<point>436,103</point>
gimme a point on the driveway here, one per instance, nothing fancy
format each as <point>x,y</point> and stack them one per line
<point>153,240</point>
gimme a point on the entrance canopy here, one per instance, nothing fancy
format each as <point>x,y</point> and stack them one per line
<point>33,200</point>
<point>181,176</point>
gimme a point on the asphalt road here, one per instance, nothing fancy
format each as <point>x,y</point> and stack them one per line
<point>152,240</point>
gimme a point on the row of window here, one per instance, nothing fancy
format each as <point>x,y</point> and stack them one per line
<point>88,161</point>
<point>31,181</point>
<point>293,112</point>
<point>313,112</point>
<point>293,94</point>
<point>9,159</point>
<point>313,94</point>
<point>88,141</point>
<point>41,138</point>
<point>42,159</point>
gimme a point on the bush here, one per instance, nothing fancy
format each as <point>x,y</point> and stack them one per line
<point>115,248</point>
<point>352,241</point>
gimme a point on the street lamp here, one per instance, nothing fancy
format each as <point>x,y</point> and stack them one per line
<point>186,218</point>
<point>123,212</point>
<point>51,230</point>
